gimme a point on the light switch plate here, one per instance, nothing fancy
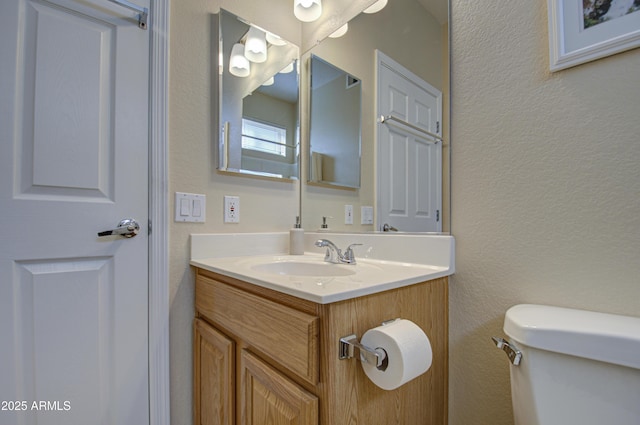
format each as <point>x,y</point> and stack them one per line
<point>348,214</point>
<point>190,207</point>
<point>366,215</point>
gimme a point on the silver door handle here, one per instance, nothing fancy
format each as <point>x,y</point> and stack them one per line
<point>127,228</point>
<point>388,228</point>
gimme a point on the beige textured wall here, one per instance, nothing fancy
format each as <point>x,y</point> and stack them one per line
<point>546,189</point>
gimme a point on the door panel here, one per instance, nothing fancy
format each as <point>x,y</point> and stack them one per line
<point>73,162</point>
<point>66,117</point>
<point>45,336</point>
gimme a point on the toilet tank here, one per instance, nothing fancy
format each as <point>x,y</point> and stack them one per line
<point>577,367</point>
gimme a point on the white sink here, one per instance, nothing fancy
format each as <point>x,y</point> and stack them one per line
<point>384,262</point>
<point>304,268</point>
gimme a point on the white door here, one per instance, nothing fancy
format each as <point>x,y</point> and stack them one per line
<point>409,161</point>
<point>73,162</point>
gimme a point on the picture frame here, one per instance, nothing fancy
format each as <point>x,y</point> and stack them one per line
<point>585,30</point>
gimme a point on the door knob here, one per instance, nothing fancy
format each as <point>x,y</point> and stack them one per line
<point>127,228</point>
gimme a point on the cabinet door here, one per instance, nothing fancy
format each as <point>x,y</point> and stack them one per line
<point>213,376</point>
<point>268,397</point>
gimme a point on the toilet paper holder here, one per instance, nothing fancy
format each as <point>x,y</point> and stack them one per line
<point>376,356</point>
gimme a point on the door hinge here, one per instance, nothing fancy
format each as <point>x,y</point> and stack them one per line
<point>437,126</point>
<point>437,215</point>
<point>149,227</point>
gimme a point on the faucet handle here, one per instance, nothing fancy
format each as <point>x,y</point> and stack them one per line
<point>349,256</point>
<point>328,256</point>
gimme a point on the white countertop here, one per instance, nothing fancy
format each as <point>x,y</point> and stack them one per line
<point>370,276</point>
<point>240,256</point>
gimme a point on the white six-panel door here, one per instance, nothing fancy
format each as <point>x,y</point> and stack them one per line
<point>73,162</point>
<point>409,163</point>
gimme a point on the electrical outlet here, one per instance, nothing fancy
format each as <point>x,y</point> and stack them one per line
<point>231,209</point>
<point>348,214</point>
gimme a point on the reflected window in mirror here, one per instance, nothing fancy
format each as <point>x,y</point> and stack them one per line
<point>259,101</point>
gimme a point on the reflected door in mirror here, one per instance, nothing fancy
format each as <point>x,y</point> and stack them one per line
<point>409,150</point>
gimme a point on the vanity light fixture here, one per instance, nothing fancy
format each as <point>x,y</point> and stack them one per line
<point>275,40</point>
<point>376,7</point>
<point>307,10</point>
<point>269,82</point>
<point>340,31</point>
<point>238,64</point>
<point>255,48</point>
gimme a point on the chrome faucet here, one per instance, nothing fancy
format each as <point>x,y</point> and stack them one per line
<point>335,255</point>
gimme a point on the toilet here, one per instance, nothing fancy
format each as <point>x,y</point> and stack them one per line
<point>572,367</point>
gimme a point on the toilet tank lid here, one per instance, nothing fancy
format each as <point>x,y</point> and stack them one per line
<point>600,336</point>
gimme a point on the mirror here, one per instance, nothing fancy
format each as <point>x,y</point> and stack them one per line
<point>259,101</point>
<point>414,34</point>
<point>334,126</point>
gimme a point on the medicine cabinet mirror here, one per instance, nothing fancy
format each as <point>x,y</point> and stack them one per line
<point>259,101</point>
<point>334,125</point>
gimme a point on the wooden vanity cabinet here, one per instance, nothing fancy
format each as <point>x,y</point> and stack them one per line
<point>261,356</point>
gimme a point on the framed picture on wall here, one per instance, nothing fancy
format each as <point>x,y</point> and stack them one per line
<point>584,30</point>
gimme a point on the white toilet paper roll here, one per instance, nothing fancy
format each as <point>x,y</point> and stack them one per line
<point>408,351</point>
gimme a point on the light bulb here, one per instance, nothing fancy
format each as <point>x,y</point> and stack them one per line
<point>269,82</point>
<point>376,7</point>
<point>307,10</point>
<point>238,64</point>
<point>275,40</point>
<point>255,48</point>
<point>340,31</point>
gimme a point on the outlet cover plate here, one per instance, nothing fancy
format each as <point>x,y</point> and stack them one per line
<point>366,215</point>
<point>232,209</point>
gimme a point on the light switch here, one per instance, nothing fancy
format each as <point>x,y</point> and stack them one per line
<point>184,207</point>
<point>348,214</point>
<point>196,211</point>
<point>190,207</point>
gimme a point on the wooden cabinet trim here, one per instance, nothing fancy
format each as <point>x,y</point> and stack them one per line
<point>268,394</point>
<point>213,376</point>
<point>303,305</point>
